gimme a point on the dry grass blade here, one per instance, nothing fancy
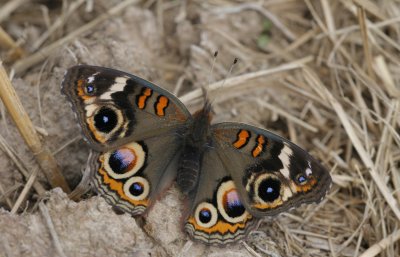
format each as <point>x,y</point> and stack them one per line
<point>4,194</point>
<point>25,191</point>
<point>28,132</point>
<point>10,7</point>
<point>383,72</point>
<point>21,167</point>
<point>371,7</point>
<point>8,43</point>
<point>364,32</point>
<point>329,19</point>
<point>381,245</point>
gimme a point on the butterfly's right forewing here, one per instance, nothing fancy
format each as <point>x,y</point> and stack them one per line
<point>271,173</point>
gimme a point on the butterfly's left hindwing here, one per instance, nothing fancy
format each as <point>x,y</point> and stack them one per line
<point>114,107</point>
<point>133,176</point>
<point>272,174</point>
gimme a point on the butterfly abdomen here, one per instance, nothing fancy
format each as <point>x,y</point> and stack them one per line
<point>197,137</point>
<point>189,167</point>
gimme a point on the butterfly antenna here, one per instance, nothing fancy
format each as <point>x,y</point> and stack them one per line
<point>212,67</point>
<point>228,74</point>
<point>207,102</point>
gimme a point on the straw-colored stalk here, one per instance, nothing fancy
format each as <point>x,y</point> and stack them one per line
<point>17,112</point>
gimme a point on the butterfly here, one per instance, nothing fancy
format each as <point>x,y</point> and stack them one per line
<point>232,174</point>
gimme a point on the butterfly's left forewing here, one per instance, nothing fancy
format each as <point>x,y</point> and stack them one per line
<point>272,174</point>
<point>114,107</point>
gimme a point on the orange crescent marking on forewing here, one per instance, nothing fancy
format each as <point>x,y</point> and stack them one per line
<point>162,103</point>
<point>242,139</point>
<point>260,146</point>
<point>143,98</point>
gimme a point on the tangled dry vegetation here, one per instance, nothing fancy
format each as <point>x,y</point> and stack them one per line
<point>324,74</point>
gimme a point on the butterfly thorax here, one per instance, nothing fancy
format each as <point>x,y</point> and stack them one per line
<point>197,140</point>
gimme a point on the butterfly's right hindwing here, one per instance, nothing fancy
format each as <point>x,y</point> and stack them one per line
<point>217,216</point>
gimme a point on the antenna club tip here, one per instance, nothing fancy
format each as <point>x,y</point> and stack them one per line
<point>235,61</point>
<point>215,53</point>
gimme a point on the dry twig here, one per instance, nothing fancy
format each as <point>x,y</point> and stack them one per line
<point>28,132</point>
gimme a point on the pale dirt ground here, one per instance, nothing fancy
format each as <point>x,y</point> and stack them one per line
<point>345,224</point>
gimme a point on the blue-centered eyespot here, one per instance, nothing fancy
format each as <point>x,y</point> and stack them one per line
<point>301,179</point>
<point>269,189</point>
<point>122,160</point>
<point>125,161</point>
<point>105,119</point>
<point>206,215</point>
<point>137,188</point>
<point>90,89</point>
<point>229,204</point>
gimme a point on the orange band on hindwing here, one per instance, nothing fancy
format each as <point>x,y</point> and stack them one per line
<point>221,227</point>
<point>117,187</point>
<point>142,98</point>
<point>242,139</point>
<point>160,105</point>
<point>260,145</point>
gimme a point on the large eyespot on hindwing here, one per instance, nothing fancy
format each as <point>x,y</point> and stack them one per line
<point>229,204</point>
<point>104,121</point>
<point>125,161</point>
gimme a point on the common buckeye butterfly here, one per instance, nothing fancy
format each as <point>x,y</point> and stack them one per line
<point>233,174</point>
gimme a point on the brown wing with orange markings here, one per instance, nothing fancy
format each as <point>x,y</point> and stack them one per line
<point>131,177</point>
<point>217,215</point>
<point>271,174</point>
<point>114,107</point>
